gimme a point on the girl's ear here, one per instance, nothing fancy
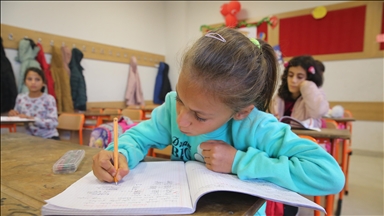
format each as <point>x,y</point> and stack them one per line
<point>243,113</point>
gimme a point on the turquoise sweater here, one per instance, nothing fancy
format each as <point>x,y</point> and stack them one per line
<point>267,149</point>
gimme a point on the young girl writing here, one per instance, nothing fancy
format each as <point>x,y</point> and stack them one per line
<point>217,116</point>
<point>299,94</point>
<point>37,105</point>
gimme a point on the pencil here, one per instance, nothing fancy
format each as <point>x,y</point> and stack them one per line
<point>115,148</point>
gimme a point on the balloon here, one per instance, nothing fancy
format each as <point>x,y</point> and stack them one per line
<point>273,21</point>
<point>319,12</point>
<point>234,7</point>
<point>230,20</point>
<point>224,9</point>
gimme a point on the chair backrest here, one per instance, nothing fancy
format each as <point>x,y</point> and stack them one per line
<point>331,123</point>
<point>308,137</point>
<point>71,121</point>
<point>115,111</point>
<point>133,114</point>
<point>95,110</point>
<point>347,113</point>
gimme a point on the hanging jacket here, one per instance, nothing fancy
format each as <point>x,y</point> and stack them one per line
<point>62,83</point>
<point>78,87</point>
<point>162,84</point>
<point>8,83</point>
<point>67,55</point>
<point>26,55</point>
<point>45,67</point>
<point>134,93</point>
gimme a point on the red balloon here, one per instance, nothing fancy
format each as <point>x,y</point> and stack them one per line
<point>234,7</point>
<point>230,20</point>
<point>274,21</point>
<point>224,9</point>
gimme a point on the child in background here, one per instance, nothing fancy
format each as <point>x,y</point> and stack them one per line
<point>217,116</point>
<point>37,105</point>
<point>299,94</point>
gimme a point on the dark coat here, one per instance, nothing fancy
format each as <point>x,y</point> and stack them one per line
<point>8,83</point>
<point>78,87</point>
<point>162,84</point>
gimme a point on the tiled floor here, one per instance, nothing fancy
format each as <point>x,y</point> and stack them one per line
<point>366,193</point>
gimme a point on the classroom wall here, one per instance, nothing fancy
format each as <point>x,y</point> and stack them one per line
<point>135,25</point>
<point>167,28</point>
<point>350,80</point>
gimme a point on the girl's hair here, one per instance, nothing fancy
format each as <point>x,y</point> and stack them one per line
<point>234,70</point>
<point>304,61</point>
<point>38,71</point>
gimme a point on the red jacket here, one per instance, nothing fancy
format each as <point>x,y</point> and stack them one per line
<point>47,72</point>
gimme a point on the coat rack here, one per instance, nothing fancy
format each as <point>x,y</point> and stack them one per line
<point>12,35</point>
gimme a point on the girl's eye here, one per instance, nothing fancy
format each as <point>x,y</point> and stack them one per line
<point>178,99</point>
<point>199,119</point>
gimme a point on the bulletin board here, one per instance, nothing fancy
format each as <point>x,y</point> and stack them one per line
<point>348,31</point>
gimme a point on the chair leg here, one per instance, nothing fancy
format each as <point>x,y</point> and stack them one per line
<point>81,137</point>
<point>317,201</point>
<point>329,204</point>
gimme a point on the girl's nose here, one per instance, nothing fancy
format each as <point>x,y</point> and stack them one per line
<point>183,118</point>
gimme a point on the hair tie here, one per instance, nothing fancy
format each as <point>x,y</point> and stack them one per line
<point>311,70</point>
<point>216,36</point>
<point>286,64</point>
<point>256,42</point>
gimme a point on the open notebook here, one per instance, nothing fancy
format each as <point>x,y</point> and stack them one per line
<point>164,187</point>
<point>15,119</point>
<point>307,124</point>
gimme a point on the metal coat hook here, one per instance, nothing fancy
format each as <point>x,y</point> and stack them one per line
<point>125,55</point>
<point>10,36</point>
<point>83,48</point>
<point>39,40</point>
<point>118,54</point>
<point>25,37</point>
<point>63,44</point>
<point>74,45</point>
<point>110,52</point>
<point>93,49</point>
<point>52,43</point>
<point>102,51</point>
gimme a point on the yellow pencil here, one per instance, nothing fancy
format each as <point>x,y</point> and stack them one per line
<point>115,148</point>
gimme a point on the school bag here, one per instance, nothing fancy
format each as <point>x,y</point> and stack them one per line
<point>103,135</point>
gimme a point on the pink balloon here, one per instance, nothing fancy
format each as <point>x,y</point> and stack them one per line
<point>224,9</point>
<point>230,20</point>
<point>234,7</point>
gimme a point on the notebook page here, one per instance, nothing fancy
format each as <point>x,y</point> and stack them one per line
<point>202,180</point>
<point>148,187</point>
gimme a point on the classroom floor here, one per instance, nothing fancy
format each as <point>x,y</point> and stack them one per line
<point>366,193</point>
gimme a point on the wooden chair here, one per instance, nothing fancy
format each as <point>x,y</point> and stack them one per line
<point>133,114</point>
<point>72,122</point>
<point>91,121</point>
<point>317,199</point>
<point>114,112</point>
<point>347,150</point>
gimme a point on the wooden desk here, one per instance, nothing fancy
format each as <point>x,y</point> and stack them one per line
<point>27,178</point>
<point>331,134</point>
<point>325,133</point>
<point>11,124</point>
<point>340,120</point>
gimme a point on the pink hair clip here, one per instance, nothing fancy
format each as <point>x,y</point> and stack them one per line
<point>286,64</point>
<point>311,70</point>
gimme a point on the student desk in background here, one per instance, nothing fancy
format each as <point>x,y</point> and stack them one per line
<point>27,178</point>
<point>331,134</point>
<point>10,122</point>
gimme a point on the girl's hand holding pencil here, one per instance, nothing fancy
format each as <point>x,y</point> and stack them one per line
<point>104,169</point>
